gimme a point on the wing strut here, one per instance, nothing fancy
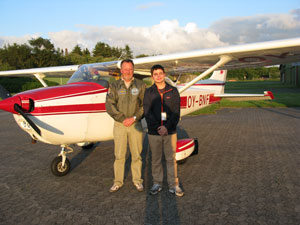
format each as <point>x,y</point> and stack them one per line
<point>40,77</point>
<point>223,60</point>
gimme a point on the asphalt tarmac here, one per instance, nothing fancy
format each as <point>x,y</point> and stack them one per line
<point>247,171</point>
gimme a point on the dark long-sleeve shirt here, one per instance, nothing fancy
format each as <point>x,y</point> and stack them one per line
<point>154,104</point>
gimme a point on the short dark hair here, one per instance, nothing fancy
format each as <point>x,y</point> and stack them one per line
<point>127,61</point>
<point>157,67</point>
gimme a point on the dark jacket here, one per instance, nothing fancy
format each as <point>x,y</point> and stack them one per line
<point>122,102</point>
<point>152,108</point>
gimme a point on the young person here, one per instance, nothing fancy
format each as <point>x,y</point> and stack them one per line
<point>162,113</point>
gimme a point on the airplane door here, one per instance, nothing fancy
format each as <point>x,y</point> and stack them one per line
<point>100,124</point>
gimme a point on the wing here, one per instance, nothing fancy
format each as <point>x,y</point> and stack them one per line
<point>248,55</point>
<point>239,56</point>
<point>56,71</point>
<point>40,73</point>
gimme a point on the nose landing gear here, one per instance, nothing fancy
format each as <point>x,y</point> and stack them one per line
<point>60,165</point>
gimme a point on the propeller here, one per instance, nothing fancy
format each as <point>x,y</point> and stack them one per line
<point>18,109</point>
<point>4,93</point>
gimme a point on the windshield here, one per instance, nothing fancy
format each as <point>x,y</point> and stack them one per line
<point>96,73</point>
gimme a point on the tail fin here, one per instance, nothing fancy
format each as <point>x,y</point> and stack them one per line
<point>219,75</point>
<point>4,93</point>
<point>215,83</point>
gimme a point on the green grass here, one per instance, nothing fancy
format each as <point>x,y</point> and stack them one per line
<point>284,96</point>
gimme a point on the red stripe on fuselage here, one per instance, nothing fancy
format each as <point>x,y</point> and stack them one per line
<point>213,99</point>
<point>69,109</point>
<point>75,95</point>
<point>63,91</point>
<point>183,102</point>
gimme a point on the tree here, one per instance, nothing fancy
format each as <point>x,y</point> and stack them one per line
<point>77,50</point>
<point>44,54</point>
<point>141,56</point>
<point>16,57</point>
<point>86,52</point>
<point>253,73</point>
<point>116,52</point>
<point>102,49</point>
<point>127,53</point>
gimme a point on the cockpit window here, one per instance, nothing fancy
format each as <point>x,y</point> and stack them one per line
<point>92,73</point>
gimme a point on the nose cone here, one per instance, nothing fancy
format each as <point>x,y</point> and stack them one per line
<point>8,104</point>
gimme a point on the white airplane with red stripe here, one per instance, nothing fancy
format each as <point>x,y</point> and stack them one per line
<point>75,113</point>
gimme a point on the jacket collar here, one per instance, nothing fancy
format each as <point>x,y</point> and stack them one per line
<point>132,83</point>
<point>168,87</point>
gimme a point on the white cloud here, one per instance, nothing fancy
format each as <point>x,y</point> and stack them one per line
<point>4,40</point>
<point>165,37</point>
<point>237,30</point>
<point>169,36</point>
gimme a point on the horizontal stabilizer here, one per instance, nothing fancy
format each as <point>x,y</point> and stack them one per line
<point>268,95</point>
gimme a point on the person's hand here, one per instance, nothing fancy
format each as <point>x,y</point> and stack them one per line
<point>162,130</point>
<point>128,122</point>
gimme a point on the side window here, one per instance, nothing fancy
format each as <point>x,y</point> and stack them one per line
<point>109,79</point>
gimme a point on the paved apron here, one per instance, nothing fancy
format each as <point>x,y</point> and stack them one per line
<point>247,172</point>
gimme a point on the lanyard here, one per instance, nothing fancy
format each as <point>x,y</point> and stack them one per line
<point>162,101</point>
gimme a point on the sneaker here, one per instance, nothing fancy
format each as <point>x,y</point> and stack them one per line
<point>115,188</point>
<point>139,187</point>
<point>155,189</point>
<point>177,191</point>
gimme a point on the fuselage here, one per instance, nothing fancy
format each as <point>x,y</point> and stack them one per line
<point>76,113</point>
<point>66,114</point>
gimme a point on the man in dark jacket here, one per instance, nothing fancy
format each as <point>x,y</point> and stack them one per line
<point>162,113</point>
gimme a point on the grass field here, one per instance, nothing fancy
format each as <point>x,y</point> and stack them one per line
<point>285,95</point>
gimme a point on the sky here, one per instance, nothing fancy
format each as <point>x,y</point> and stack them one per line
<point>148,27</point>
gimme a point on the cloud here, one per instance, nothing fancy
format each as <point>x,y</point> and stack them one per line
<point>5,40</point>
<point>169,36</point>
<point>166,37</point>
<point>238,30</point>
<point>149,5</point>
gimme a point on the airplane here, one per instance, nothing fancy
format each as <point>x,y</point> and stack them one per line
<point>75,113</point>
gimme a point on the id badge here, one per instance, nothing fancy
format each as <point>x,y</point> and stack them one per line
<point>163,116</point>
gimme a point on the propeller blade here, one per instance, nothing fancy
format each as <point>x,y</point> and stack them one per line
<point>4,93</point>
<point>18,109</point>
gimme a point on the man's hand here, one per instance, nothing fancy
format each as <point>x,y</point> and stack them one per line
<point>128,122</point>
<point>162,130</point>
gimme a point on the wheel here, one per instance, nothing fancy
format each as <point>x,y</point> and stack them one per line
<point>88,147</point>
<point>181,162</point>
<point>57,169</point>
<point>195,152</point>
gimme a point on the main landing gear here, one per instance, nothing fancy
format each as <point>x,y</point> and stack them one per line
<point>60,166</point>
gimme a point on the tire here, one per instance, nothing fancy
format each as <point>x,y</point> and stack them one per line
<point>57,169</point>
<point>181,162</point>
<point>88,147</point>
